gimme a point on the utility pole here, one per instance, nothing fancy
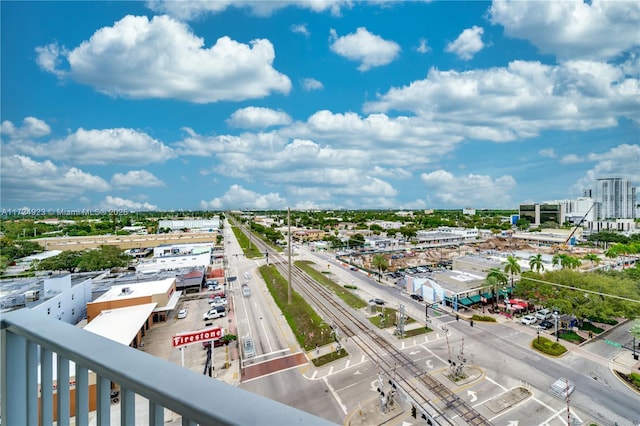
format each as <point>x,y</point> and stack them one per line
<point>289,254</point>
<point>250,234</point>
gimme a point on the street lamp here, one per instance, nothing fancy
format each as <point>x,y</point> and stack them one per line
<point>538,336</point>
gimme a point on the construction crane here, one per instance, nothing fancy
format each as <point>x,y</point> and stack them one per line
<point>565,244</point>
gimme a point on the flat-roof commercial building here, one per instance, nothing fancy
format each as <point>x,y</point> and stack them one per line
<point>162,293</point>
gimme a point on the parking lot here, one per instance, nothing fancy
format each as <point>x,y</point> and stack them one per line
<point>157,342</point>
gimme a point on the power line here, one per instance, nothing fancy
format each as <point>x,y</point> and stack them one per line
<point>599,293</point>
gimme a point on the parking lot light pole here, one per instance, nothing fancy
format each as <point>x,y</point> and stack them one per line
<point>538,336</point>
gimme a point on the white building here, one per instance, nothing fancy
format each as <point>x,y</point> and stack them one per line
<point>575,210</point>
<point>64,300</point>
<point>182,249</point>
<point>204,225</point>
<point>386,224</point>
<point>27,261</point>
<point>469,234</point>
<point>168,263</point>
<point>617,199</point>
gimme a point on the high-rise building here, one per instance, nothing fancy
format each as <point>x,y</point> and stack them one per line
<point>616,198</point>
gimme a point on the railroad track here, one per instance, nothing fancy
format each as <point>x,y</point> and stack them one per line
<point>438,402</point>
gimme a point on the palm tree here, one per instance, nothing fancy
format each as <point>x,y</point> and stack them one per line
<point>573,262</point>
<point>512,267</point>
<point>381,263</point>
<point>592,257</point>
<point>496,278</point>
<point>535,263</point>
<point>565,261</point>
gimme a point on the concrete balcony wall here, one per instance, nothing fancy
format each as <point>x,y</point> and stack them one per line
<point>29,340</point>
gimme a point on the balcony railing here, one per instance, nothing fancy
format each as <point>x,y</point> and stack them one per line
<point>29,341</point>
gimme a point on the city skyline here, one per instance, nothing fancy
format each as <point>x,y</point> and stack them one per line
<point>316,105</point>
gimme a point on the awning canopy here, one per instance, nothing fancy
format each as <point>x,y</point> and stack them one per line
<point>475,298</point>
<point>466,301</point>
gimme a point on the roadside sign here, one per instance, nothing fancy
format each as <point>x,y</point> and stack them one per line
<point>184,339</point>
<point>612,343</point>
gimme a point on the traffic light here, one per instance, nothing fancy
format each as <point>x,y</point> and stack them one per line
<point>414,412</point>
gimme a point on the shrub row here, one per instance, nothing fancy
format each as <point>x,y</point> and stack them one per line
<point>548,347</point>
<point>485,318</point>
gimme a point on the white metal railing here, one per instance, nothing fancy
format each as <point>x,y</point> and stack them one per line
<point>30,339</point>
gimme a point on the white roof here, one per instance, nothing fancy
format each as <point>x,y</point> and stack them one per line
<point>147,288</point>
<point>121,325</point>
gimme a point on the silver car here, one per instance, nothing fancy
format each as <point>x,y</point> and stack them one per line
<point>246,290</point>
<point>247,348</point>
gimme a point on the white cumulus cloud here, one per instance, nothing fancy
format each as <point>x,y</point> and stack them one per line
<point>468,43</point>
<point>593,30</point>
<point>309,84</point>
<point>369,49</point>
<point>111,203</point>
<point>257,117</point>
<point>94,146</point>
<point>237,197</point>
<point>188,10</point>
<point>25,179</point>
<point>31,128</point>
<point>469,190</point>
<point>161,58</point>
<point>136,178</point>
<point>423,47</point>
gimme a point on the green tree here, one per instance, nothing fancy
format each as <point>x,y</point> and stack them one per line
<point>565,261</point>
<point>512,267</point>
<point>496,278</point>
<point>380,263</point>
<point>65,261</point>
<point>356,240</point>
<point>592,257</point>
<point>523,224</point>
<point>14,250</point>
<point>106,257</point>
<point>408,232</point>
<point>535,263</point>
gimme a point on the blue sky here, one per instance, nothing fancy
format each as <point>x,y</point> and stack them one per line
<point>318,104</point>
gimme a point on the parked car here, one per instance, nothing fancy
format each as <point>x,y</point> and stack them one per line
<point>417,297</point>
<point>219,301</point>
<point>545,325</point>
<point>377,301</point>
<point>183,313</point>
<point>213,314</point>
<point>529,320</point>
<point>214,287</point>
<point>543,314</point>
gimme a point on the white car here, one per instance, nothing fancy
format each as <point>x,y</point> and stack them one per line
<point>213,314</point>
<point>529,320</point>
<point>183,313</point>
<point>246,290</point>
<point>543,314</point>
<point>218,301</point>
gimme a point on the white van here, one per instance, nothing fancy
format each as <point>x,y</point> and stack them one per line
<point>543,314</point>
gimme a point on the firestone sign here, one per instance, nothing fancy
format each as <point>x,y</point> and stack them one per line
<point>184,339</point>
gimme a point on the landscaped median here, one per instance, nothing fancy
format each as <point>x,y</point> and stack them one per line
<point>548,347</point>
